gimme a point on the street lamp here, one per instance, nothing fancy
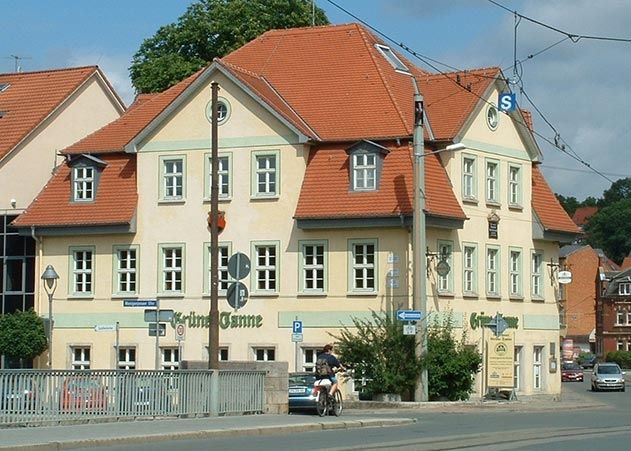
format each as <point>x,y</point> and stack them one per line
<point>50,277</point>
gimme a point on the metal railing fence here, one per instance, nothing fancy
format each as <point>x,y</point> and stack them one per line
<point>55,396</point>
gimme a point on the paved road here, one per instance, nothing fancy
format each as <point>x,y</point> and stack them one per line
<point>580,420</point>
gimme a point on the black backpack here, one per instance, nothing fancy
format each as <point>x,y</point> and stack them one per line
<point>322,368</point>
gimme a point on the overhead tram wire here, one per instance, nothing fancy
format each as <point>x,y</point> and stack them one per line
<point>574,37</point>
<point>428,61</point>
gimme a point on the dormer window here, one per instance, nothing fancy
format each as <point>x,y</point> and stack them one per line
<point>85,174</point>
<point>366,161</point>
<point>392,58</point>
<point>624,289</point>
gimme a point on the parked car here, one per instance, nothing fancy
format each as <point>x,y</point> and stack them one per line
<point>571,371</point>
<point>301,391</point>
<point>589,363</point>
<point>17,395</point>
<point>607,376</point>
<point>143,394</point>
<point>83,394</point>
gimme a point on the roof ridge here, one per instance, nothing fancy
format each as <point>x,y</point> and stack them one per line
<point>363,32</point>
<point>43,71</point>
<point>308,29</point>
<point>464,71</point>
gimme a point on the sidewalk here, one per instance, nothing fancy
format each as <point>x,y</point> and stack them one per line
<point>357,414</point>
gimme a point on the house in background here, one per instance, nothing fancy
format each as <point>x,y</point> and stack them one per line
<point>582,215</point>
<point>613,312</point>
<point>316,177</point>
<point>578,298</point>
<point>41,113</point>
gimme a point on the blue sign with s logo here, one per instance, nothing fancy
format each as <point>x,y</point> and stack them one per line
<point>507,101</point>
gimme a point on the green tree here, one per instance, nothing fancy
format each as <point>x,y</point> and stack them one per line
<point>22,335</point>
<point>378,351</point>
<point>569,204</point>
<point>619,190</point>
<point>610,230</point>
<point>209,29</point>
<point>451,363</point>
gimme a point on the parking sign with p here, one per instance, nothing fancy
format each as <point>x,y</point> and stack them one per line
<point>297,327</point>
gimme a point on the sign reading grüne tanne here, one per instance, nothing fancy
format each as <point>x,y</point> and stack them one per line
<point>227,320</point>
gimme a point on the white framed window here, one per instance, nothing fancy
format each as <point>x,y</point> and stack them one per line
<point>265,175</point>
<point>265,269</point>
<point>83,183</point>
<point>81,271</point>
<point>225,251</point>
<point>469,183</point>
<point>620,344</point>
<point>313,266</point>
<point>364,171</point>
<point>492,271</point>
<point>126,358</point>
<point>363,265</point>
<point>629,317</point>
<point>537,367</point>
<point>172,177</point>
<point>624,289</point>
<point>224,175</point>
<point>514,274</point>
<point>392,58</point>
<point>492,181</point>
<point>469,266</point>
<point>223,111</point>
<point>170,358</point>
<point>514,185</point>
<point>171,268</point>
<point>620,317</point>
<point>264,354</point>
<point>309,357</point>
<point>80,357</point>
<point>445,283</point>
<point>517,368</point>
<point>126,269</point>
<point>223,353</point>
<point>536,275</point>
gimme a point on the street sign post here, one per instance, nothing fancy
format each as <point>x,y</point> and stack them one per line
<point>409,329</point>
<point>239,266</point>
<point>296,338</point>
<point>104,327</point>
<point>180,332</point>
<point>152,329</point>
<point>164,316</point>
<point>237,295</point>
<point>297,327</point>
<point>409,315</point>
<point>140,302</point>
<point>498,324</point>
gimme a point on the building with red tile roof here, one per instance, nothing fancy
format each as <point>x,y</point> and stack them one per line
<point>41,113</point>
<point>316,180</point>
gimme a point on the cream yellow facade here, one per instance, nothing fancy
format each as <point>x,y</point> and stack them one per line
<point>171,252</point>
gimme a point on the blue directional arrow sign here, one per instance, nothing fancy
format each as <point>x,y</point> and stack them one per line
<point>409,315</point>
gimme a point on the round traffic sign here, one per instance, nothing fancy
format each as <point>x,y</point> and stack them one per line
<point>237,295</point>
<point>239,266</point>
<point>180,332</point>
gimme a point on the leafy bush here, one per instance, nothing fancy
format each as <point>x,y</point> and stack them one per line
<point>622,358</point>
<point>584,357</point>
<point>22,335</point>
<point>378,352</point>
<point>451,364</point>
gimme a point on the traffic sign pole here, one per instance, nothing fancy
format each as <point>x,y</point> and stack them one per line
<point>157,337</point>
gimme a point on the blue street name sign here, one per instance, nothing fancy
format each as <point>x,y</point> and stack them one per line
<point>409,315</point>
<point>297,327</point>
<point>140,302</point>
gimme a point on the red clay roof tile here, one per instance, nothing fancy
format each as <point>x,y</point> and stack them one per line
<point>115,202</point>
<point>547,207</point>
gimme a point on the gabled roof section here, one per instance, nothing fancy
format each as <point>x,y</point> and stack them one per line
<point>582,214</point>
<point>116,135</point>
<point>31,97</point>
<point>335,79</point>
<point>115,202</point>
<point>326,192</point>
<point>450,98</point>
<point>546,206</point>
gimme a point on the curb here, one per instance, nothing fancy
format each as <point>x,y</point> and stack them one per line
<point>210,433</point>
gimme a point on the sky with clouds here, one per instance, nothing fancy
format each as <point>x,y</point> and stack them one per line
<point>579,85</point>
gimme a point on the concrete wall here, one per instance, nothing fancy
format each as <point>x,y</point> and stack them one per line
<point>276,383</point>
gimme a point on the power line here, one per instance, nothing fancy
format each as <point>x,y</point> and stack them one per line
<point>574,37</point>
<point>583,171</point>
<point>426,60</point>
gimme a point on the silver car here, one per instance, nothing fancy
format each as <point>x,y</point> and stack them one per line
<point>607,376</point>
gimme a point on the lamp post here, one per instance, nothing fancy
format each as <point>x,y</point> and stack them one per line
<point>50,277</point>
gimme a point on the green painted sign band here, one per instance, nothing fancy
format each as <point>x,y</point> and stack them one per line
<point>227,320</point>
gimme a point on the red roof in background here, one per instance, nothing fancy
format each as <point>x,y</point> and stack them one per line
<point>326,189</point>
<point>582,214</point>
<point>547,207</point>
<point>115,202</point>
<point>117,134</point>
<point>31,97</point>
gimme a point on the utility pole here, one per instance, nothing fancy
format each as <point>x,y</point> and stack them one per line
<point>213,330</point>
<point>419,240</point>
